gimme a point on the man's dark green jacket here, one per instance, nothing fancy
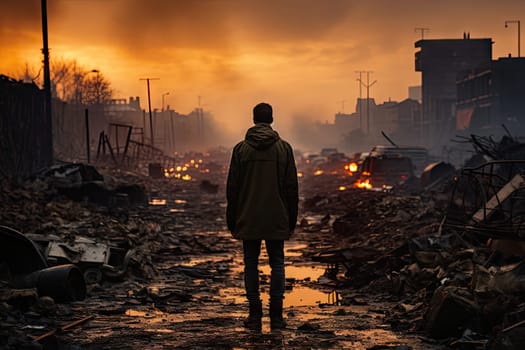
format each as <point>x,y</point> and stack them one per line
<point>262,188</point>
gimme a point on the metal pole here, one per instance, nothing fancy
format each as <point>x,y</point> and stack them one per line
<point>143,124</point>
<point>172,133</point>
<point>150,117</point>
<point>368,86</point>
<point>149,107</point>
<point>48,151</point>
<point>86,114</point>
<point>367,103</point>
<point>517,21</point>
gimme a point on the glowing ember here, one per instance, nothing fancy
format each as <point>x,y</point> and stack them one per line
<point>299,174</point>
<point>352,167</point>
<point>186,177</point>
<point>157,202</point>
<point>179,168</point>
<point>364,184</point>
<point>318,172</point>
<point>342,188</point>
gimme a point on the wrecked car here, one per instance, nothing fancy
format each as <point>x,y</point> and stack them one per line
<point>384,171</point>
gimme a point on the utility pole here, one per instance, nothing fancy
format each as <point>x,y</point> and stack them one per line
<point>342,106</point>
<point>422,31</point>
<point>150,115</point>
<point>519,32</point>
<point>360,106</point>
<point>368,85</point>
<point>164,95</point>
<point>48,153</point>
<point>199,119</point>
<point>86,117</point>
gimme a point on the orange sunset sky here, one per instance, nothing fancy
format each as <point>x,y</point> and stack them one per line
<point>298,55</point>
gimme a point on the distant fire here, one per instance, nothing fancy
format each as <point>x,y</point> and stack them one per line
<point>318,172</point>
<point>351,168</point>
<point>342,188</point>
<point>299,174</point>
<point>364,184</point>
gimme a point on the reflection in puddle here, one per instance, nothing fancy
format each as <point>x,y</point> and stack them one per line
<point>298,296</point>
<point>157,201</point>
<point>296,250</point>
<point>174,210</point>
<point>180,201</point>
<point>159,330</point>
<point>303,296</point>
<point>154,314</point>
<point>299,273</point>
<point>217,261</point>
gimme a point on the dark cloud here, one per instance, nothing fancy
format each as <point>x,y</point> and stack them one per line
<point>24,14</point>
<point>217,23</point>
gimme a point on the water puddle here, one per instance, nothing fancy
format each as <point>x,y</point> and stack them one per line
<point>295,251</point>
<point>157,202</point>
<point>176,206</point>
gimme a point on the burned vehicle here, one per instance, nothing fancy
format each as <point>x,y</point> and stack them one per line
<point>384,171</point>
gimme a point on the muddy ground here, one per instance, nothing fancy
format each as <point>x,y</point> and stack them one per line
<point>185,290</point>
<point>184,284</point>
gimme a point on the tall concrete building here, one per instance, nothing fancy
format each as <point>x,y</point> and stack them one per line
<point>440,61</point>
<point>492,95</point>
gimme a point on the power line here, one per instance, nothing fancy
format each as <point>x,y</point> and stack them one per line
<point>368,85</point>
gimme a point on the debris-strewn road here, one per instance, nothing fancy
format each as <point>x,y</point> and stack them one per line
<point>365,269</point>
<point>184,284</point>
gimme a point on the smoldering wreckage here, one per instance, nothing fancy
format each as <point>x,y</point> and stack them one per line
<point>124,261</point>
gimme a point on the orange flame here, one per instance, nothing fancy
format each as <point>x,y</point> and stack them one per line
<point>364,184</point>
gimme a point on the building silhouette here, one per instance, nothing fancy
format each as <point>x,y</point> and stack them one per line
<point>491,95</point>
<point>440,61</point>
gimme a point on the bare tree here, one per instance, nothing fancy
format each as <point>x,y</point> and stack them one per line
<point>72,83</point>
<point>96,89</point>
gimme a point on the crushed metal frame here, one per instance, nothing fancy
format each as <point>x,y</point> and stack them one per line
<point>489,200</point>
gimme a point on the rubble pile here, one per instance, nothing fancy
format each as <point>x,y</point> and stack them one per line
<point>102,223</point>
<point>450,279</point>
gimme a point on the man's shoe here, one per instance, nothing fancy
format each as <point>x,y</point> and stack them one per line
<point>276,315</point>
<point>254,319</point>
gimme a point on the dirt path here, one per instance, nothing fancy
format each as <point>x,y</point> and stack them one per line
<point>196,299</point>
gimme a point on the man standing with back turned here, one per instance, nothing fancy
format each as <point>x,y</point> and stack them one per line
<point>262,197</point>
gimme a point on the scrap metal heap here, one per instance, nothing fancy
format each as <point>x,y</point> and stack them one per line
<point>458,271</point>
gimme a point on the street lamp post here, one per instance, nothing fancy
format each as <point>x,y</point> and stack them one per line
<point>519,32</point>
<point>97,85</point>
<point>163,95</point>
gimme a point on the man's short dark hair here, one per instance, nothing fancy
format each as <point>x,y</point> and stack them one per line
<point>263,113</point>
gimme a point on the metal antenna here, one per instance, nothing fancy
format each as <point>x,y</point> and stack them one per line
<point>422,31</point>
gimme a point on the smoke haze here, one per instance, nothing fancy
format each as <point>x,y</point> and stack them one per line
<point>298,55</point>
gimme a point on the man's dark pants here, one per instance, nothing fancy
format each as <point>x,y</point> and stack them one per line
<point>252,250</point>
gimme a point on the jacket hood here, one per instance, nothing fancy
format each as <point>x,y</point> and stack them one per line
<point>261,136</point>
